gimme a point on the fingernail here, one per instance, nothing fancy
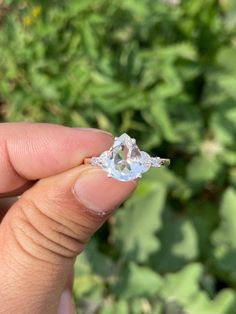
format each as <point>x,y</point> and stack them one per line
<point>100,193</point>
<point>96,130</point>
<point>66,305</point>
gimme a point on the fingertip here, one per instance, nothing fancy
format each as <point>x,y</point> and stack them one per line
<point>39,150</point>
<point>92,141</point>
<point>99,193</point>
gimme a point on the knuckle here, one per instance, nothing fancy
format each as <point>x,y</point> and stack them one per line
<point>45,237</point>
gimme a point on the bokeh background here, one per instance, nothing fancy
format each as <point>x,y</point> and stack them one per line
<point>164,71</point>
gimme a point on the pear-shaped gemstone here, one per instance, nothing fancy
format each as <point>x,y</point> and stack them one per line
<point>125,159</point>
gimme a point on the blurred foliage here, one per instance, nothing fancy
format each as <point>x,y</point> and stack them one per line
<point>164,71</point>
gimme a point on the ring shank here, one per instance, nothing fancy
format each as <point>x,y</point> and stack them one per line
<point>163,161</point>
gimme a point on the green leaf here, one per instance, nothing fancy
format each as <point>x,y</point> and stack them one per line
<point>137,281</point>
<point>110,307</point>
<point>137,223</point>
<point>183,285</point>
<point>178,243</point>
<point>161,117</point>
<point>204,216</point>
<point>202,170</point>
<point>92,270</point>
<point>226,59</point>
<point>226,231</point>
<point>224,303</point>
<point>183,289</point>
<point>100,263</point>
<point>223,123</point>
<point>224,238</point>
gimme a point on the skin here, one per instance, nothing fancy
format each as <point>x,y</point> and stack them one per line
<point>50,206</point>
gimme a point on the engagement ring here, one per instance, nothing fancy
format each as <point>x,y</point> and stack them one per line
<point>124,161</point>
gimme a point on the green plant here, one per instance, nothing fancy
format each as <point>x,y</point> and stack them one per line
<point>164,72</point>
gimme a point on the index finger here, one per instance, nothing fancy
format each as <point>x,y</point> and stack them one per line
<point>31,151</point>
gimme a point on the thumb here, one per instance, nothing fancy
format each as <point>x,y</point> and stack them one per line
<point>44,231</point>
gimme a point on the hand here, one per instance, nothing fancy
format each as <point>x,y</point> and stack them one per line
<point>63,203</point>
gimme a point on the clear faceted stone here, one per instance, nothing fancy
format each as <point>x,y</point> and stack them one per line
<point>121,160</point>
<point>124,161</point>
<point>146,161</point>
<point>123,166</point>
<point>135,153</point>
